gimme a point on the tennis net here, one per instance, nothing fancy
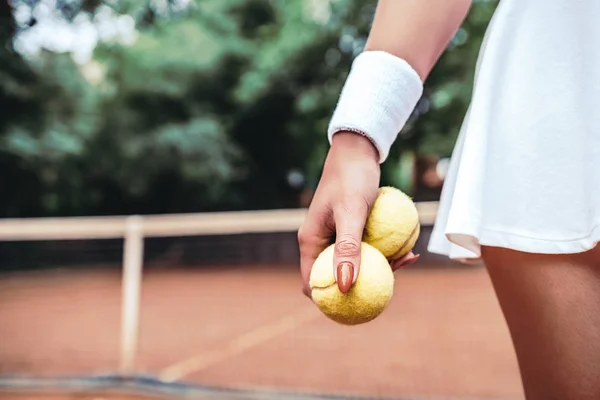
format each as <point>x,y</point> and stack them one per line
<point>209,306</point>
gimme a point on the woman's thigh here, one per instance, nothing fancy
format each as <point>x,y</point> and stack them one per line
<point>552,307</point>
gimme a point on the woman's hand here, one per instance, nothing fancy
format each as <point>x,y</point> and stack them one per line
<point>418,32</point>
<point>347,190</point>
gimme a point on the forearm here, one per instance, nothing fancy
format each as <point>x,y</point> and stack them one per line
<point>386,80</point>
<point>417,31</point>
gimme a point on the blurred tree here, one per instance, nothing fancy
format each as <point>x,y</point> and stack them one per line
<point>195,106</point>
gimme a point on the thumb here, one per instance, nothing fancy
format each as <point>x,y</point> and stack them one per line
<point>349,223</point>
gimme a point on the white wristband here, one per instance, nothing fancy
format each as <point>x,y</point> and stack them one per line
<point>377,99</point>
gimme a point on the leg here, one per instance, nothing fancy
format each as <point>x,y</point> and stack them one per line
<point>552,307</point>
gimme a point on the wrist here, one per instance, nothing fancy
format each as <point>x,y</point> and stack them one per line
<point>377,99</point>
<point>356,144</point>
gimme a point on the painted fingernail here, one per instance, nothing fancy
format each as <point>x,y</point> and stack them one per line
<point>345,274</point>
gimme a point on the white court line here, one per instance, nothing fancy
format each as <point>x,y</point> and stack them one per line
<point>238,345</point>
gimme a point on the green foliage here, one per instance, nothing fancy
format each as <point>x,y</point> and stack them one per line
<point>209,108</point>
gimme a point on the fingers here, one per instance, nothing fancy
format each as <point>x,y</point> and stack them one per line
<point>316,233</point>
<point>313,237</point>
<point>404,261</point>
<point>350,220</point>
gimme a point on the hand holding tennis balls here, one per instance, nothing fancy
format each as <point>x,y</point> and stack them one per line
<point>390,233</point>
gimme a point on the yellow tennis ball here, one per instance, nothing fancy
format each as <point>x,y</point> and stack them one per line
<point>392,226</point>
<point>368,296</point>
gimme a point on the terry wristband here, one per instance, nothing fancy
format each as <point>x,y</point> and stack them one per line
<point>377,99</point>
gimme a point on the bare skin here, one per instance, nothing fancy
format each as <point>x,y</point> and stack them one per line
<point>417,31</point>
<point>552,306</point>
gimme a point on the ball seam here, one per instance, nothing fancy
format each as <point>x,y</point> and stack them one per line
<point>403,247</point>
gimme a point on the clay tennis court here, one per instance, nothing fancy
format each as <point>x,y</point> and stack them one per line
<point>442,337</point>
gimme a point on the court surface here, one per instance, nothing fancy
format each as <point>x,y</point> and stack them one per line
<point>442,337</point>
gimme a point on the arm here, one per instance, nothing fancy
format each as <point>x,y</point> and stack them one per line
<point>417,31</point>
<point>406,40</point>
<point>386,80</point>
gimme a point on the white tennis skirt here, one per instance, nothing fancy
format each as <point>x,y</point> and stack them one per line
<point>525,172</point>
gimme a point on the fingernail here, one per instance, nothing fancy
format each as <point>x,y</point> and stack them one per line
<point>345,274</point>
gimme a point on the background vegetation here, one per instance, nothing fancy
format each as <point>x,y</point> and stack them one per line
<point>159,106</point>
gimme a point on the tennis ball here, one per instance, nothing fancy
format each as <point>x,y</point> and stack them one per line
<point>392,226</point>
<point>368,296</point>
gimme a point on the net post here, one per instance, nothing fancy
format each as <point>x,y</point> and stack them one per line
<point>133,251</point>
